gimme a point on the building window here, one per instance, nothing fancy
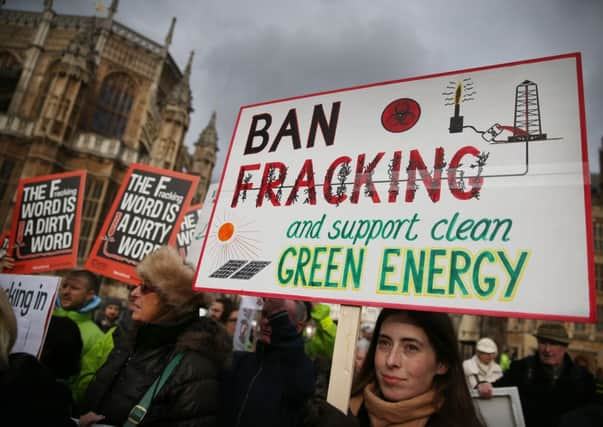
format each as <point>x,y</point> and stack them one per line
<point>10,72</point>
<point>598,236</point>
<point>113,106</point>
<point>92,202</point>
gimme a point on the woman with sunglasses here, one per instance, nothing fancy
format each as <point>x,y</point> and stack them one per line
<point>412,375</point>
<point>166,323</point>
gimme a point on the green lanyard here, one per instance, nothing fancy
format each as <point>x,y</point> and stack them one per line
<point>140,410</point>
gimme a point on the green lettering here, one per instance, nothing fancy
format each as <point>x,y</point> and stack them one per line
<point>456,272</point>
<point>285,279</point>
<point>387,268</point>
<point>331,266</point>
<point>434,271</point>
<point>490,281</point>
<point>414,272</point>
<point>514,272</point>
<point>353,267</point>
<point>316,265</point>
<point>302,261</point>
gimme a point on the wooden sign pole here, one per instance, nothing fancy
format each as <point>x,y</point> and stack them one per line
<point>342,366</point>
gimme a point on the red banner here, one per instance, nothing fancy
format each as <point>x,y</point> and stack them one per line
<point>146,214</point>
<point>46,222</point>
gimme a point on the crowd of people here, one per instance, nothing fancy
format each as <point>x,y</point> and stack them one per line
<point>154,361</point>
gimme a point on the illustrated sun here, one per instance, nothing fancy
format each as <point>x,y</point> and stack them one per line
<point>231,238</point>
<point>225,232</point>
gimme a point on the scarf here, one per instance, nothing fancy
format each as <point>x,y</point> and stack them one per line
<point>490,372</point>
<point>414,412</point>
<point>483,370</point>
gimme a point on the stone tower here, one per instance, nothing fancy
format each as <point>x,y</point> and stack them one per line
<point>204,157</point>
<point>174,122</point>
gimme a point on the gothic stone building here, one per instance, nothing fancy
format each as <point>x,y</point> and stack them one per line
<point>86,92</point>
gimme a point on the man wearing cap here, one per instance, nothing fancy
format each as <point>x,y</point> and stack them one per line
<point>481,370</point>
<point>550,384</point>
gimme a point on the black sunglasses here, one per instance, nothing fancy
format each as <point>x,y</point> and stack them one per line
<point>146,288</point>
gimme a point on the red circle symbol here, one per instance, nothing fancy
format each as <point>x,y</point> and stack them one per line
<point>400,115</point>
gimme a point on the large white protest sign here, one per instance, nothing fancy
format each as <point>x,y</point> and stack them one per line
<point>464,191</point>
<point>32,299</point>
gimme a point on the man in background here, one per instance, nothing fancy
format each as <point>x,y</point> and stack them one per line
<point>77,301</point>
<point>550,384</point>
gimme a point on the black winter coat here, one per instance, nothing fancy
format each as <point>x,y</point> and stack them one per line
<point>544,402</point>
<point>190,397</point>
<point>31,396</point>
<point>270,386</point>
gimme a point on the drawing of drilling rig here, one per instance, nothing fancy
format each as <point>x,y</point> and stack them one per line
<point>527,126</point>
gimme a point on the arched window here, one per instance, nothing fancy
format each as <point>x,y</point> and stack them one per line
<point>10,71</point>
<point>113,106</point>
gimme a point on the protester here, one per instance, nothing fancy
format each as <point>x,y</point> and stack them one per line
<point>366,331</point>
<point>166,324</point>
<point>77,301</point>
<point>231,322</point>
<point>549,383</point>
<point>220,309</point>
<point>109,314</point>
<point>504,360</point>
<point>412,375</point>
<point>62,348</point>
<point>98,354</point>
<point>482,370</point>
<point>269,387</point>
<point>362,346</point>
<point>29,393</point>
<point>320,344</point>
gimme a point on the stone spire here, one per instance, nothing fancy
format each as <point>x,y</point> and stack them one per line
<point>209,135</point>
<point>170,34</point>
<point>189,65</point>
<point>47,4</point>
<point>181,94</point>
<point>113,9</point>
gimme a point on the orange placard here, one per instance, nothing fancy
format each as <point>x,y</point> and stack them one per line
<point>146,214</point>
<point>46,222</point>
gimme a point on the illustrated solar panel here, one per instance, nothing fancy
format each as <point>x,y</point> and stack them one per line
<point>228,269</point>
<point>250,270</point>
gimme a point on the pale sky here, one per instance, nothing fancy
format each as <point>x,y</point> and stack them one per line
<point>252,51</point>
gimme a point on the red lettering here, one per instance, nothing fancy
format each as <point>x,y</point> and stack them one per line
<point>432,184</point>
<point>306,172</point>
<point>329,197</point>
<point>453,181</point>
<point>269,183</point>
<point>364,176</point>
<point>241,184</point>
